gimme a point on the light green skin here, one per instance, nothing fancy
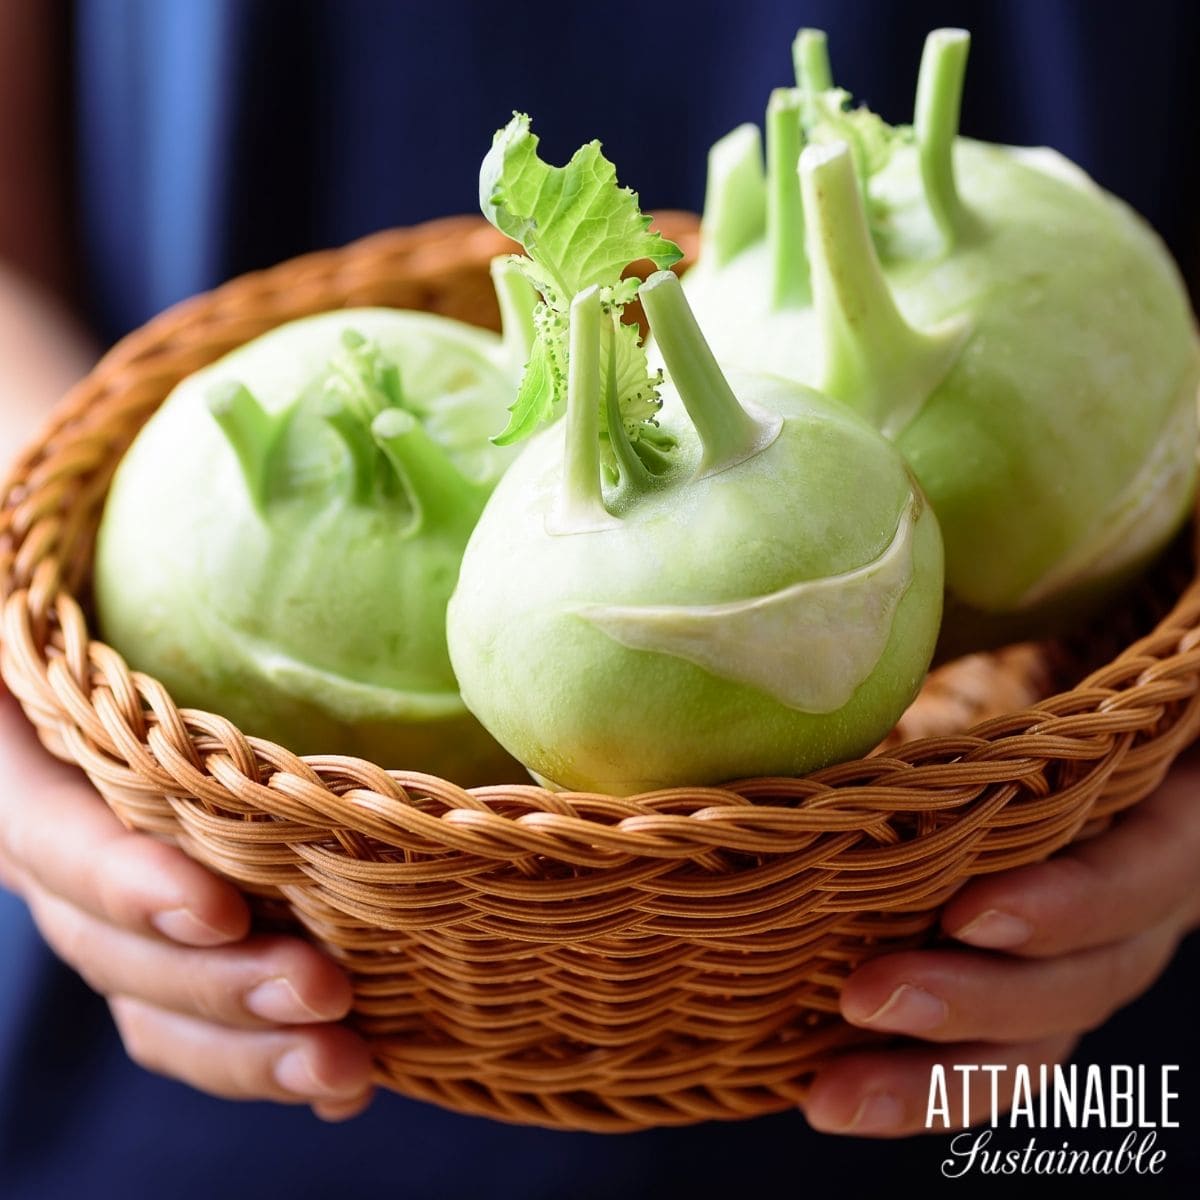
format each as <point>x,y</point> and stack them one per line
<point>586,712</point>
<point>318,623</point>
<point>1082,352</point>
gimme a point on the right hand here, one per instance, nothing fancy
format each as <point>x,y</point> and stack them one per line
<point>194,995</point>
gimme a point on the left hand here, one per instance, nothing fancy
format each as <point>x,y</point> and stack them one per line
<point>1058,947</point>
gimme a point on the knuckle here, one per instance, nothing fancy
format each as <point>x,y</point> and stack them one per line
<point>65,933</point>
<point>12,841</point>
<point>1148,956</point>
<point>10,875</point>
<point>1127,970</point>
<point>71,939</point>
<point>1078,881</point>
<point>111,873</point>
<point>294,961</point>
<point>1104,999</point>
<point>250,1073</point>
<point>20,842</point>
<point>140,1045</point>
<point>203,999</point>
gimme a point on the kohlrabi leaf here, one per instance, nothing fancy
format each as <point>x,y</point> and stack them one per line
<point>637,400</point>
<point>363,378</point>
<point>543,382</point>
<point>580,229</point>
<point>576,224</point>
<point>870,138</point>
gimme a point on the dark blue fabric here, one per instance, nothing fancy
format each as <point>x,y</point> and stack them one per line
<point>79,1122</point>
<point>220,135</point>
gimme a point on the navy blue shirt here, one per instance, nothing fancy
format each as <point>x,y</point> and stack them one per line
<point>215,136</point>
<point>220,135</point>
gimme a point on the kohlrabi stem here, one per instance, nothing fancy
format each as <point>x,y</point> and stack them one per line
<point>517,299</point>
<point>352,428</point>
<point>735,196</point>
<point>251,431</point>
<point>785,212</point>
<point>433,484</point>
<point>810,58</point>
<point>581,502</point>
<point>874,361</point>
<point>729,433</point>
<point>935,122</point>
<point>371,381</point>
<point>633,470</point>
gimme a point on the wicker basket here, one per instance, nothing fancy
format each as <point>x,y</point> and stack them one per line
<point>568,960</point>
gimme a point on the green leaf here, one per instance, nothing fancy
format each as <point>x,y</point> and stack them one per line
<point>363,378</point>
<point>577,225</point>
<point>637,398</point>
<point>871,139</point>
<point>542,386</point>
<point>580,229</point>
<point>637,386</point>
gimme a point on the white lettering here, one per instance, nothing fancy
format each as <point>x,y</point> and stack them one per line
<point>1093,1097</point>
<point>1167,1096</point>
<point>1022,1106</point>
<point>994,1069</point>
<point>1066,1096</point>
<point>966,1070</point>
<point>1120,1100</point>
<point>939,1101</point>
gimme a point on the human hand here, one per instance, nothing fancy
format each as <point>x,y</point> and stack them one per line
<point>1059,947</point>
<point>193,995</point>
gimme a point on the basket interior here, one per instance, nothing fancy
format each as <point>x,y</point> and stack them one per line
<point>571,960</point>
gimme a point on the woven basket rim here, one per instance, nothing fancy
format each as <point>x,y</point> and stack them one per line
<point>1103,704</point>
<point>574,960</point>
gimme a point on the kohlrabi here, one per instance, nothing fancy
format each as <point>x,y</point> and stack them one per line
<point>745,582</point>
<point>1021,335</point>
<point>281,539</point>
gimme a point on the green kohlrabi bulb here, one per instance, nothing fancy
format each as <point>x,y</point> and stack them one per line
<point>280,541</point>
<point>761,596</point>
<point>1021,335</point>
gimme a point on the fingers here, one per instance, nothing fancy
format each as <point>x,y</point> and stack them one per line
<point>343,1110</point>
<point>950,996</point>
<point>886,1093</point>
<point>250,1021</point>
<point>56,833</point>
<point>261,981</point>
<point>327,1064</point>
<point>1142,872</point>
<point>1086,932</point>
<point>67,842</point>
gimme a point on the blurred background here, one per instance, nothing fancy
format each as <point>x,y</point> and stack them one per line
<point>189,140</point>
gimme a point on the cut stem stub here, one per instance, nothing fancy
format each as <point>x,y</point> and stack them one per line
<point>810,59</point>
<point>874,361</point>
<point>517,298</point>
<point>729,432</point>
<point>785,209</point>
<point>581,501</point>
<point>734,197</point>
<point>251,431</point>
<point>437,491</point>
<point>935,123</point>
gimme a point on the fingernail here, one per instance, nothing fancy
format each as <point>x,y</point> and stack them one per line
<point>909,1010</point>
<point>278,1001</point>
<point>294,1073</point>
<point>182,925</point>
<point>335,1111</point>
<point>993,930</point>
<point>880,1112</point>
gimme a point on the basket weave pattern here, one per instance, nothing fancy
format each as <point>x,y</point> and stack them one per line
<point>571,960</point>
